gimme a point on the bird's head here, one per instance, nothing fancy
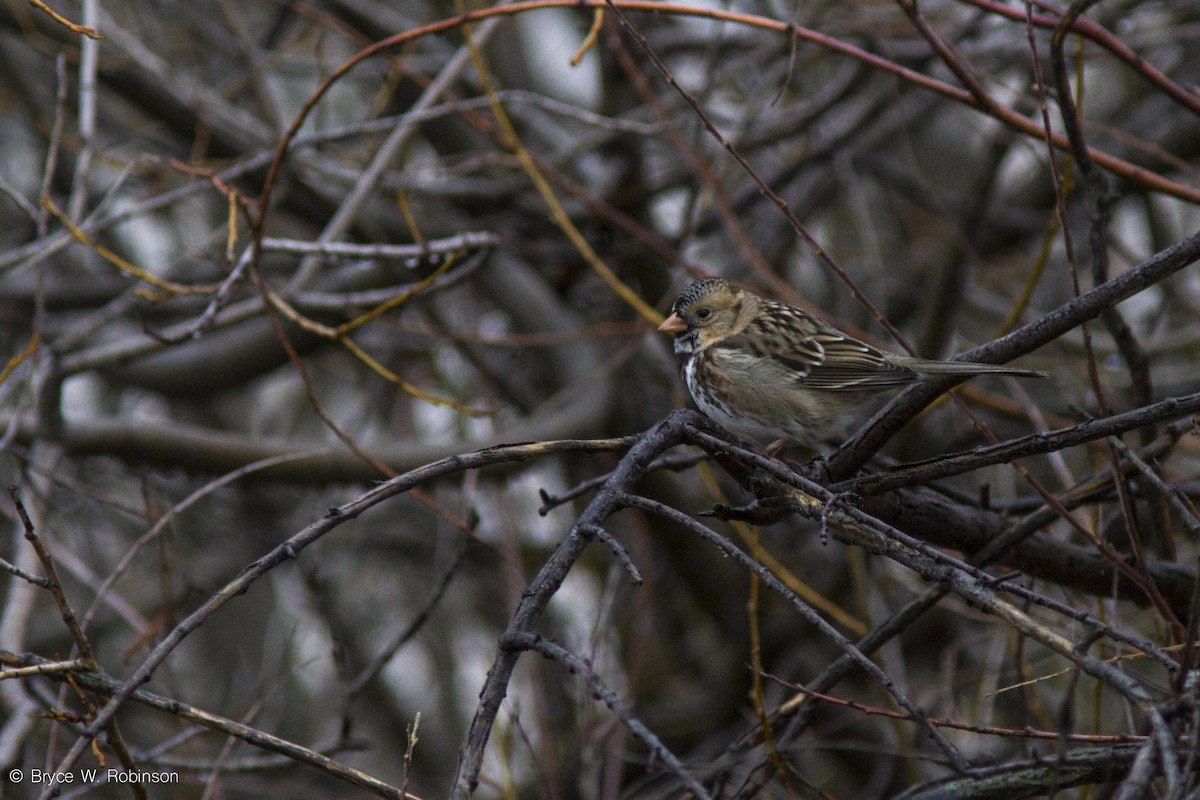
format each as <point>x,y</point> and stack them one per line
<point>707,311</point>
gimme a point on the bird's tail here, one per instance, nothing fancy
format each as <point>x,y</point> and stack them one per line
<point>923,367</point>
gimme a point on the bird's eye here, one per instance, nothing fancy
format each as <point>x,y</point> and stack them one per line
<point>703,313</point>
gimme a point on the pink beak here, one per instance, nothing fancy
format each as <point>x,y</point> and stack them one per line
<point>673,324</point>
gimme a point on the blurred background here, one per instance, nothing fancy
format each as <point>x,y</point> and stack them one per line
<point>163,438</point>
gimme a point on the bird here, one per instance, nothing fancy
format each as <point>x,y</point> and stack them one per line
<point>772,374</point>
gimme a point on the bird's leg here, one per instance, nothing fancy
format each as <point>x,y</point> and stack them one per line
<point>775,448</point>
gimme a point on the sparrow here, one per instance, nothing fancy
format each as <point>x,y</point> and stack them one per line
<point>766,371</point>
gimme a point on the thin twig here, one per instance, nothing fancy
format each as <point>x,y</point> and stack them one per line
<point>517,641</point>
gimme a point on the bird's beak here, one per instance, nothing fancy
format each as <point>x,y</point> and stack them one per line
<point>673,324</point>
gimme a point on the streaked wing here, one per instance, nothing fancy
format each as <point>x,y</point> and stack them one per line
<point>817,356</point>
<point>851,365</point>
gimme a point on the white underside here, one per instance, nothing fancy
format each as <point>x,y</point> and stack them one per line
<point>749,430</point>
